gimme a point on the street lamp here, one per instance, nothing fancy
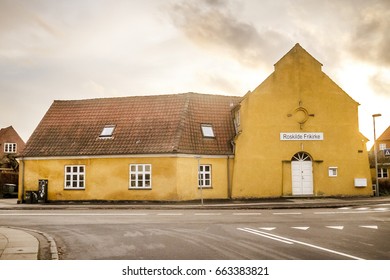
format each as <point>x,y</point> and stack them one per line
<point>376,157</point>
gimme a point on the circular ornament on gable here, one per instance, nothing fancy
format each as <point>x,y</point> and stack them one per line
<point>300,115</point>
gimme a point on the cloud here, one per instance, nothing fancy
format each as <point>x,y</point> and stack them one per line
<point>370,40</point>
<point>212,25</point>
<point>380,82</point>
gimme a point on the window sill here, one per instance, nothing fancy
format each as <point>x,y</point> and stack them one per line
<point>135,188</point>
<point>74,189</point>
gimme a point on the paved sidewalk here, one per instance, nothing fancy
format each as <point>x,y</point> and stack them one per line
<point>272,203</point>
<point>17,244</point>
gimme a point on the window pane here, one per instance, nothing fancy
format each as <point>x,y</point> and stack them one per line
<point>74,184</point>
<point>133,184</point>
<point>140,168</point>
<point>68,169</point>
<point>147,168</point>
<point>207,131</point>
<point>75,169</point>
<point>81,169</point>
<point>133,168</point>
<point>207,167</point>
<point>81,184</point>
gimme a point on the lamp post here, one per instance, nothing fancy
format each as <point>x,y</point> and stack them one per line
<point>376,157</point>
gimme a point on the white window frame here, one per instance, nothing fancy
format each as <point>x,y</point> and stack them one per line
<point>333,171</point>
<point>205,176</point>
<point>383,173</point>
<point>382,146</point>
<point>107,132</point>
<point>207,131</point>
<point>74,178</point>
<point>140,176</point>
<point>10,148</point>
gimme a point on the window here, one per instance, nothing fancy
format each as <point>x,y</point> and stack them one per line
<point>382,147</point>
<point>74,176</point>
<point>10,148</point>
<point>207,130</point>
<point>382,173</point>
<point>140,176</point>
<point>204,176</point>
<point>107,131</point>
<point>332,171</point>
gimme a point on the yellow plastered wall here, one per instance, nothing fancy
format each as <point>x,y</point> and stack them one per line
<point>262,166</point>
<point>173,178</point>
<point>187,178</point>
<point>105,178</point>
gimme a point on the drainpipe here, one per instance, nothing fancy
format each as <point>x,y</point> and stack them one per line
<point>22,181</point>
<point>229,190</point>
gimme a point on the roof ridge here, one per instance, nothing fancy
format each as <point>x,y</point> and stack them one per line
<point>183,118</point>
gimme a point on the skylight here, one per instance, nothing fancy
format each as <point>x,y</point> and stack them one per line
<point>207,130</point>
<point>107,131</point>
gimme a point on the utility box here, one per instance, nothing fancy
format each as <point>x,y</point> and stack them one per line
<point>42,190</point>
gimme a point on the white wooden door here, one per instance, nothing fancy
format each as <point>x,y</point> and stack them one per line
<point>302,174</point>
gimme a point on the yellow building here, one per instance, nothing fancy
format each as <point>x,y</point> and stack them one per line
<point>295,134</point>
<point>298,135</point>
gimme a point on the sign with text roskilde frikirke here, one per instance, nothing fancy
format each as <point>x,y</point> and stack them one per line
<point>301,136</point>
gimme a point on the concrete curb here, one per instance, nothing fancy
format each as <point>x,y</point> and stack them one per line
<point>50,240</point>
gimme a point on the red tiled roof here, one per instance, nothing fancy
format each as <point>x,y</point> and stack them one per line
<point>143,125</point>
<point>385,135</point>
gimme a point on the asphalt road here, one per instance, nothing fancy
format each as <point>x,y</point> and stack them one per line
<point>305,234</point>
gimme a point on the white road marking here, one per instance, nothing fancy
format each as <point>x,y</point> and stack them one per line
<point>292,241</point>
<point>268,228</point>
<point>169,214</point>
<point>372,227</point>
<point>287,213</point>
<point>207,214</point>
<point>362,208</point>
<point>344,208</point>
<point>246,214</point>
<point>264,234</point>
<point>301,228</point>
<point>381,209</point>
<point>350,212</point>
<point>336,227</point>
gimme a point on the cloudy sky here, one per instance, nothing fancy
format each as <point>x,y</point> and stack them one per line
<point>77,49</point>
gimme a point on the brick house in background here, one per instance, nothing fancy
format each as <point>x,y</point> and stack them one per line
<point>382,143</point>
<point>10,145</point>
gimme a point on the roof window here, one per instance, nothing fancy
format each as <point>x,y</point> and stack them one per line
<point>107,131</point>
<point>207,130</point>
